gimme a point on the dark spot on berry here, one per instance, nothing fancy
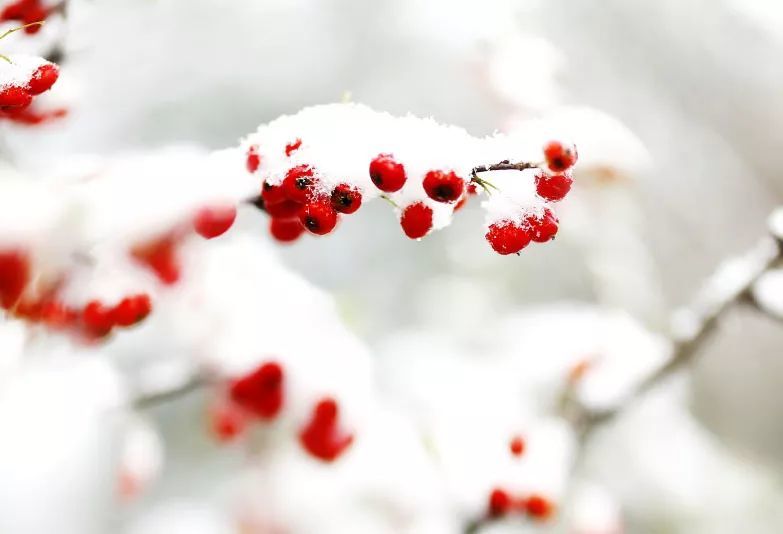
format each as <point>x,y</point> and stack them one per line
<point>303,183</point>
<point>377,179</point>
<point>259,202</point>
<point>311,223</point>
<point>444,192</point>
<point>344,200</point>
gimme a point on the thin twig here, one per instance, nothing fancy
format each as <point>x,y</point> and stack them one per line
<point>150,400</point>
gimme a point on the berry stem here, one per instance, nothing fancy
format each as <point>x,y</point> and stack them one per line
<point>12,30</point>
<point>390,201</point>
<point>504,165</point>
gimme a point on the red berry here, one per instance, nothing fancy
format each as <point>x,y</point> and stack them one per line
<point>227,422</point>
<point>318,217</point>
<point>471,188</point>
<point>499,503</point>
<point>14,98</point>
<point>286,230</point>
<point>57,315</point>
<point>553,187</point>
<point>539,507</point>
<point>260,392</point>
<point>16,10</point>
<point>35,13</point>
<point>560,157</point>
<point>506,237</point>
<point>292,147</point>
<point>214,221</point>
<point>387,174</point>
<point>132,310</point>
<point>300,184</point>
<point>542,229</point>
<point>43,78</point>
<point>160,256</point>
<point>253,159</point>
<point>321,436</point>
<point>14,276</point>
<point>272,194</point>
<point>443,186</point>
<point>517,445</point>
<point>416,220</point>
<point>346,198</point>
<point>98,318</point>
<point>284,210</point>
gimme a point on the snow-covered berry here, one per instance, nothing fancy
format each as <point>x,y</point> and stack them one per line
<point>318,217</point>
<point>560,156</point>
<point>322,436</point>
<point>387,174</point>
<point>542,229</point>
<point>443,186</point>
<point>506,237</point>
<point>300,183</point>
<point>553,187</point>
<point>416,220</point>
<point>261,391</point>
<point>346,198</point>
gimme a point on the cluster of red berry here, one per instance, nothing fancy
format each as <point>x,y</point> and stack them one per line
<point>94,320</point>
<point>259,396</point>
<point>502,503</point>
<point>301,202</point>
<point>552,184</point>
<point>17,93</point>
<point>27,12</point>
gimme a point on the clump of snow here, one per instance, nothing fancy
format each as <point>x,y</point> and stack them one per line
<point>19,70</point>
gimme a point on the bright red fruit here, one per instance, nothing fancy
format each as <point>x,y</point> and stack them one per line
<point>416,220</point>
<point>57,315</point>
<point>286,230</point>
<point>300,183</point>
<point>253,160</point>
<point>553,187</point>
<point>292,147</point>
<point>98,318</point>
<point>14,98</point>
<point>506,237</point>
<point>542,229</point>
<point>443,186</point>
<point>499,503</point>
<point>43,78</point>
<point>318,217</point>
<point>132,310</point>
<point>260,392</point>
<point>346,198</point>
<point>560,157</point>
<point>517,445</point>
<point>214,221</point>
<point>539,507</point>
<point>321,436</point>
<point>14,276</point>
<point>387,174</point>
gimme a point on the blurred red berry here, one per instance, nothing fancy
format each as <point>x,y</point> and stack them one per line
<point>539,507</point>
<point>98,318</point>
<point>346,199</point>
<point>443,186</point>
<point>253,160</point>
<point>416,220</point>
<point>517,445</point>
<point>160,256</point>
<point>14,276</point>
<point>507,238</point>
<point>387,174</point>
<point>286,230</point>
<point>559,156</point>
<point>132,310</point>
<point>261,391</point>
<point>292,147</point>
<point>284,210</point>
<point>321,436</point>
<point>214,221</point>
<point>227,422</point>
<point>499,503</point>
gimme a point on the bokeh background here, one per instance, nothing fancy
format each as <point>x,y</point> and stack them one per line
<point>675,106</point>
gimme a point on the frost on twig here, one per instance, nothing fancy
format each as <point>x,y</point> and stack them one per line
<point>731,284</point>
